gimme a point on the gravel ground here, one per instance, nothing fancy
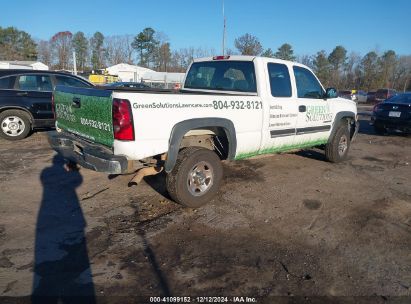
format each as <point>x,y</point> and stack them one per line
<point>284,228</point>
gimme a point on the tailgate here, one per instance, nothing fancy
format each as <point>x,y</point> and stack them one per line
<point>85,112</point>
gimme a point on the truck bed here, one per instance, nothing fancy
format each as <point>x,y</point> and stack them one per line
<point>165,91</point>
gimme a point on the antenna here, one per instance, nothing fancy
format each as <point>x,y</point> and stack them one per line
<point>224,30</point>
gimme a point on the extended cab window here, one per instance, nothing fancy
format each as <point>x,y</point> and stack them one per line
<point>222,76</point>
<point>70,81</point>
<point>307,85</point>
<point>279,80</point>
<point>7,82</point>
<point>35,83</point>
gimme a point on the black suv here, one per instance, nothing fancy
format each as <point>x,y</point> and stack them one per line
<point>25,100</point>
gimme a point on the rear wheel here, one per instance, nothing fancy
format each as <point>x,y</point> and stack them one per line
<point>14,124</point>
<point>336,150</point>
<point>195,178</point>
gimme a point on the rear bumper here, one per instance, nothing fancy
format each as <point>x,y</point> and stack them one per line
<point>88,155</point>
<point>403,125</point>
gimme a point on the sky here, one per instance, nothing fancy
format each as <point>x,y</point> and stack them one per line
<point>309,26</point>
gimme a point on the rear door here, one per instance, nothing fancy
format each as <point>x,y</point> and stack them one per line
<point>37,90</point>
<point>315,114</point>
<point>8,94</point>
<point>283,109</point>
<point>86,112</point>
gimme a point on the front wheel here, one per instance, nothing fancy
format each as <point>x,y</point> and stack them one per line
<point>14,124</point>
<point>336,150</point>
<point>195,178</point>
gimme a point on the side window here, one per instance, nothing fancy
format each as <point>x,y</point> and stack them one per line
<point>35,83</point>
<point>70,81</point>
<point>279,80</point>
<point>7,82</point>
<point>307,85</point>
<point>44,83</point>
<point>28,82</point>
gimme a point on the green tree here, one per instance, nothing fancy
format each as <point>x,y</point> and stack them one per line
<point>369,71</point>
<point>285,52</point>
<point>80,46</point>
<point>97,50</point>
<point>337,59</point>
<point>268,53</point>
<point>163,57</point>
<point>248,44</point>
<point>322,67</point>
<point>145,44</point>
<point>388,65</point>
<point>16,45</point>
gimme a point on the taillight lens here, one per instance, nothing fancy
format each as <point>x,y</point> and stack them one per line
<point>123,126</point>
<point>221,57</point>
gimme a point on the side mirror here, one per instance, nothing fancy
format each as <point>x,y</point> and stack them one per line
<point>331,93</point>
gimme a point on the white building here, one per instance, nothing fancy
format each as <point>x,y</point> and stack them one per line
<point>127,72</point>
<point>29,65</point>
<point>133,73</point>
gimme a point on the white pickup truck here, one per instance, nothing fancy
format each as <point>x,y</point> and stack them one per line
<point>230,107</point>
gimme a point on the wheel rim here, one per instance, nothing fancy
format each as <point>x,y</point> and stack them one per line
<point>343,145</point>
<point>200,178</point>
<point>12,126</point>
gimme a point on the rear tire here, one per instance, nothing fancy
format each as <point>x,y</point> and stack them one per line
<point>336,150</point>
<point>14,124</point>
<point>195,178</point>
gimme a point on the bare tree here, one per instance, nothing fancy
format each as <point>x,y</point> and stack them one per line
<point>61,43</point>
<point>44,52</point>
<point>117,49</point>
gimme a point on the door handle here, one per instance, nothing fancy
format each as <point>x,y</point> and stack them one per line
<point>302,108</point>
<point>76,102</point>
<point>22,94</point>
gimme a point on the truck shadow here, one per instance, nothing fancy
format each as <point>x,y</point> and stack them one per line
<point>312,154</point>
<point>62,268</point>
<point>158,183</point>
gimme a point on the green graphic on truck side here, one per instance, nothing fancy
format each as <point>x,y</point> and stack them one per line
<point>92,119</point>
<point>283,148</point>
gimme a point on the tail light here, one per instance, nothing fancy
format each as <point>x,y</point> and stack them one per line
<point>123,126</point>
<point>221,57</point>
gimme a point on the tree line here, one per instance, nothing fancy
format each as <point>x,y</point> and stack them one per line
<point>339,68</point>
<point>152,49</point>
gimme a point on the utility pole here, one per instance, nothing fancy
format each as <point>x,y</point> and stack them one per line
<point>224,30</point>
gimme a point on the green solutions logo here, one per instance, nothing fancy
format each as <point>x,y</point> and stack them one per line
<point>318,113</point>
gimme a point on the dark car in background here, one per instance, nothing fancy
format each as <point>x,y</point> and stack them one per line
<point>26,100</point>
<point>371,97</point>
<point>137,85</point>
<point>383,94</point>
<point>393,114</point>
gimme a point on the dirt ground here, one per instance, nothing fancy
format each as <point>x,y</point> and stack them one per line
<point>282,225</point>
